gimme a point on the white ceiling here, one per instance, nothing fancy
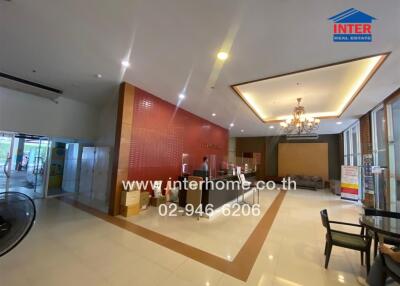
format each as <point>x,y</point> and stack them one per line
<point>172,46</point>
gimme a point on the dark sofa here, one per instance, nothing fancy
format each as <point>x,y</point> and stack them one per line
<point>308,182</point>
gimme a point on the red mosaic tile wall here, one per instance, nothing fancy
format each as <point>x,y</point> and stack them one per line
<point>161,133</point>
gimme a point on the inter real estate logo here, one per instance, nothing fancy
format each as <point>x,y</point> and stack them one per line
<point>352,26</point>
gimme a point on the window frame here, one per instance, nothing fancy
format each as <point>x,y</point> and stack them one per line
<point>349,144</point>
<point>375,145</point>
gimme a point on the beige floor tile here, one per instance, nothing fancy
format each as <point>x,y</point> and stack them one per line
<point>71,247</point>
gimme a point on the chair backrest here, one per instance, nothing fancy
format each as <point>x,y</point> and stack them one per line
<point>375,212</point>
<point>194,192</point>
<point>242,180</point>
<point>325,223</point>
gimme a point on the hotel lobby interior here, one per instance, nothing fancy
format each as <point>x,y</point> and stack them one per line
<point>201,143</point>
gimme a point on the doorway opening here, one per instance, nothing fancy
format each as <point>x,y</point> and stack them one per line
<point>24,161</point>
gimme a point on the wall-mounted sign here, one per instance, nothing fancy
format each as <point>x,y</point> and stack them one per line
<point>210,146</point>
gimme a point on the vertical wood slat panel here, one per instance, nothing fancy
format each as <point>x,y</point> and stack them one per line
<point>365,134</point>
<point>122,145</point>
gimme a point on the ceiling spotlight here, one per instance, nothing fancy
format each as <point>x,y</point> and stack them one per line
<point>222,56</point>
<point>242,130</point>
<point>181,96</point>
<point>126,64</point>
<point>213,115</point>
<point>99,75</point>
<point>271,127</point>
<point>231,125</point>
<point>339,123</point>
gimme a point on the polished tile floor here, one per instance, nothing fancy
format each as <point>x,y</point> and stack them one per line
<point>222,235</point>
<point>70,247</point>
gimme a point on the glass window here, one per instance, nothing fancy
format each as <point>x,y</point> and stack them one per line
<point>378,133</point>
<point>394,153</point>
<point>355,145</point>
<point>346,148</point>
<point>352,148</point>
<point>396,135</point>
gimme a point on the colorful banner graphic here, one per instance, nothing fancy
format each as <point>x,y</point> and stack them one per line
<point>350,183</point>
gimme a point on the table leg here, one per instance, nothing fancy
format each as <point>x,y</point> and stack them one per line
<point>376,239</point>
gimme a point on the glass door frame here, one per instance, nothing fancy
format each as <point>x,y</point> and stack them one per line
<point>44,185</point>
<point>375,147</point>
<point>46,173</point>
<point>348,143</point>
<point>8,162</point>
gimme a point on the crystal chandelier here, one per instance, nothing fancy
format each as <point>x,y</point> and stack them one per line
<point>299,122</point>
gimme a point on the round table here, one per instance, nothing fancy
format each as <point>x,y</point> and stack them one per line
<point>385,225</point>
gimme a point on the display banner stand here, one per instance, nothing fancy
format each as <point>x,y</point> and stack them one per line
<point>350,183</point>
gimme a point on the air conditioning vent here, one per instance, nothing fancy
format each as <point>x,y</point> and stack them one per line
<point>312,136</point>
<point>20,84</point>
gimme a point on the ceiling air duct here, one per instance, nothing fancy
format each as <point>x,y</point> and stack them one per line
<point>23,85</point>
<point>312,136</point>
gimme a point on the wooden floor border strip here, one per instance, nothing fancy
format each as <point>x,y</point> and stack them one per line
<point>240,267</point>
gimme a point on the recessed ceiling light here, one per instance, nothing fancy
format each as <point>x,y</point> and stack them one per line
<point>181,96</point>
<point>271,127</point>
<point>126,64</point>
<point>99,75</point>
<point>213,114</point>
<point>339,122</point>
<point>231,125</point>
<point>242,130</point>
<point>222,56</point>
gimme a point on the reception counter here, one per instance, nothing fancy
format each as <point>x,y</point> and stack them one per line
<point>214,196</point>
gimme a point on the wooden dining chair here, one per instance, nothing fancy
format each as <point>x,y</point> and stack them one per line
<point>359,242</point>
<point>387,240</point>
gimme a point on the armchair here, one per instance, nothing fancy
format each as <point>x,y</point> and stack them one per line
<point>359,242</point>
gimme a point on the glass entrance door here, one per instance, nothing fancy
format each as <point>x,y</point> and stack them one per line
<point>23,160</point>
<point>36,150</point>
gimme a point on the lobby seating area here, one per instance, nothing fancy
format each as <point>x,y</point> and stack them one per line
<point>312,182</point>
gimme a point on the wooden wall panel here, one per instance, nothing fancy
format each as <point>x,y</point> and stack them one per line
<point>253,145</point>
<point>122,145</point>
<point>335,153</point>
<point>365,134</point>
<point>309,159</point>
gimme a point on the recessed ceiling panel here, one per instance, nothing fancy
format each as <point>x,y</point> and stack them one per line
<point>326,91</point>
